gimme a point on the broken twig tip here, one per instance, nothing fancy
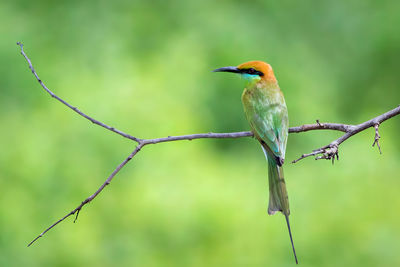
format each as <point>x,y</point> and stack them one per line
<point>377,137</point>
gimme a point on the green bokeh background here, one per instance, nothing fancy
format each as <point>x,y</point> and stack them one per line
<point>144,67</point>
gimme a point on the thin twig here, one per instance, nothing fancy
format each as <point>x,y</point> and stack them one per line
<point>377,137</point>
<point>90,198</point>
<point>326,152</point>
<point>331,151</point>
<point>72,107</point>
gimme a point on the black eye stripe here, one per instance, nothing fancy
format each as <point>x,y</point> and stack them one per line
<point>252,72</point>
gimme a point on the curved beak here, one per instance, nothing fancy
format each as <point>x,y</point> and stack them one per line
<point>227,69</point>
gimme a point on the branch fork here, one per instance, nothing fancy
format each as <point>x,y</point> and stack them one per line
<point>331,151</point>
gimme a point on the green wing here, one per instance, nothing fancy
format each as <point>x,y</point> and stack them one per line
<point>268,119</point>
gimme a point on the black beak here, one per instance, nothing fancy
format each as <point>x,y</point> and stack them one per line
<point>227,69</point>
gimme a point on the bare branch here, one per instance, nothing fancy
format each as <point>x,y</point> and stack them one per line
<point>191,137</point>
<point>90,198</point>
<point>144,142</point>
<point>327,152</point>
<point>331,150</point>
<point>72,107</point>
<point>320,126</point>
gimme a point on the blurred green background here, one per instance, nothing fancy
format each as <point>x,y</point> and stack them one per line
<point>144,67</point>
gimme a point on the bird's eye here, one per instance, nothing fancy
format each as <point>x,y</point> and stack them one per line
<point>251,71</point>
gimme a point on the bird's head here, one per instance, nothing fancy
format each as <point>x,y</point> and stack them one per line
<point>252,71</point>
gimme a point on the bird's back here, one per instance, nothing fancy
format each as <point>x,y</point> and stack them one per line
<point>265,109</point>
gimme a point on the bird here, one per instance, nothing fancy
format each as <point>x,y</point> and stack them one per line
<point>265,110</point>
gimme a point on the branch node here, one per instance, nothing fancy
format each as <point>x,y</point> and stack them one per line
<point>330,153</point>
<point>77,214</point>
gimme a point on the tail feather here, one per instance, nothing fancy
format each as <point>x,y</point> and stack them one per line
<point>291,238</point>
<point>278,197</point>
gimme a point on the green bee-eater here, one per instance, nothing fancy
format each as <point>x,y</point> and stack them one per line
<point>265,109</point>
